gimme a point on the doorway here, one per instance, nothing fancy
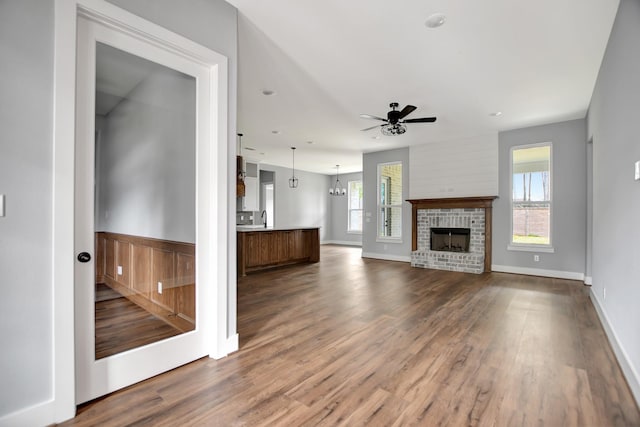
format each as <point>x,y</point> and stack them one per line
<point>146,200</point>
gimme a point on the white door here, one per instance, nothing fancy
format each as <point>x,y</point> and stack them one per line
<point>147,109</point>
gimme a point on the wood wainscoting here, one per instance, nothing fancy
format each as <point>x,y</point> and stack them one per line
<point>134,266</point>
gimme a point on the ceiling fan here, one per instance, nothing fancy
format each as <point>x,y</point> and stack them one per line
<point>394,124</point>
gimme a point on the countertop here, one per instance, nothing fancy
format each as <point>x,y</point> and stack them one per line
<point>252,228</point>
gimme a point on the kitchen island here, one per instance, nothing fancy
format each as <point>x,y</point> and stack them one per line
<point>262,248</point>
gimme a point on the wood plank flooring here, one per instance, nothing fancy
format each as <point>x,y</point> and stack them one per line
<point>352,341</point>
<point>122,325</point>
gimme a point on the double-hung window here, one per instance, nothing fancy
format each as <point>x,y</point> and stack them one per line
<point>390,201</point>
<point>531,206</point>
<point>355,207</point>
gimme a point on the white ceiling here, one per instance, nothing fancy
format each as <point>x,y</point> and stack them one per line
<point>330,61</point>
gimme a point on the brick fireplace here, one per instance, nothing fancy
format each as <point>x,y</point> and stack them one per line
<point>453,218</point>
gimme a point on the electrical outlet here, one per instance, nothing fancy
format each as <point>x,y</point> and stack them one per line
<point>536,258</point>
<point>384,247</point>
<point>159,287</point>
<point>119,270</point>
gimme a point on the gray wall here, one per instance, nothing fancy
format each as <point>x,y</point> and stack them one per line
<point>370,247</point>
<point>26,128</point>
<point>569,196</point>
<point>615,128</point>
<point>146,161</point>
<point>339,212</point>
<point>305,206</point>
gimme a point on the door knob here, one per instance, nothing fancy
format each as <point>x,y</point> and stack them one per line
<point>84,257</point>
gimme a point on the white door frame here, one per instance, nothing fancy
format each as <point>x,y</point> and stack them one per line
<point>66,12</point>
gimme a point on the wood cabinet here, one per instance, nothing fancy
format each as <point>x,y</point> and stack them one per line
<point>134,266</point>
<point>262,249</point>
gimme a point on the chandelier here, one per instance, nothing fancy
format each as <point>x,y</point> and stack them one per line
<point>393,129</point>
<point>293,181</point>
<point>337,189</point>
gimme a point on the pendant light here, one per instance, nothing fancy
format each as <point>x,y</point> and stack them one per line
<point>239,163</point>
<point>338,189</point>
<point>293,181</point>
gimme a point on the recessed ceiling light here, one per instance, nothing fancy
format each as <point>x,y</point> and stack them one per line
<point>268,92</point>
<point>309,142</point>
<point>275,132</point>
<point>496,114</point>
<point>436,20</point>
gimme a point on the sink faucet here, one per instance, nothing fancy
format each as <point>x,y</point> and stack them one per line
<point>263,215</point>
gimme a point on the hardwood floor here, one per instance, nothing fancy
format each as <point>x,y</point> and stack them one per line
<point>122,325</point>
<point>352,341</point>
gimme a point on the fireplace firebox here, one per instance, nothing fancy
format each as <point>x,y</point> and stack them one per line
<point>450,239</point>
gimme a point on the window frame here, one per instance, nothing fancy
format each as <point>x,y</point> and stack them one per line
<point>531,247</point>
<point>379,205</point>
<point>349,208</point>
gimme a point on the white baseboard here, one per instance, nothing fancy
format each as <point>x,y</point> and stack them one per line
<point>340,242</point>
<point>588,280</point>
<point>388,257</point>
<point>629,372</point>
<point>41,414</point>
<point>538,272</point>
<point>233,343</point>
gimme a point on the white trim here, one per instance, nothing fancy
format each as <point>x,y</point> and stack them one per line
<point>37,415</point>
<point>387,257</point>
<point>628,370</point>
<point>63,399</point>
<point>512,246</point>
<point>588,280</point>
<point>379,206</point>
<point>558,274</point>
<point>233,343</point>
<point>397,240</point>
<point>529,248</point>
<point>64,95</point>
<point>340,242</point>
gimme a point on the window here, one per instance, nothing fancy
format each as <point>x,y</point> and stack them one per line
<point>390,201</point>
<point>355,207</point>
<point>531,197</point>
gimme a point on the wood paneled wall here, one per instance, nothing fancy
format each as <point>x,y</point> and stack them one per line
<point>145,262</point>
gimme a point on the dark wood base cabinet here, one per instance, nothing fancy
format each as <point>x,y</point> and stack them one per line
<point>262,249</point>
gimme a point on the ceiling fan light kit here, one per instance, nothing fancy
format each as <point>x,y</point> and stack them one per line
<point>395,121</point>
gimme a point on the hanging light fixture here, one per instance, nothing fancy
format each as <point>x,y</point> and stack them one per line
<point>293,181</point>
<point>338,189</point>
<point>239,164</point>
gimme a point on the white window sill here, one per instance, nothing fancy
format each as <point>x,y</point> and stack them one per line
<point>354,232</point>
<point>531,248</point>
<point>388,240</point>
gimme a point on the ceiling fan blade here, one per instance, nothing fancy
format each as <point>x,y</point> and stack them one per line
<point>406,111</point>
<point>421,120</point>
<point>368,116</point>
<point>372,127</point>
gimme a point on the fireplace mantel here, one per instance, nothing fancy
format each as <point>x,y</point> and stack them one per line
<point>485,202</point>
